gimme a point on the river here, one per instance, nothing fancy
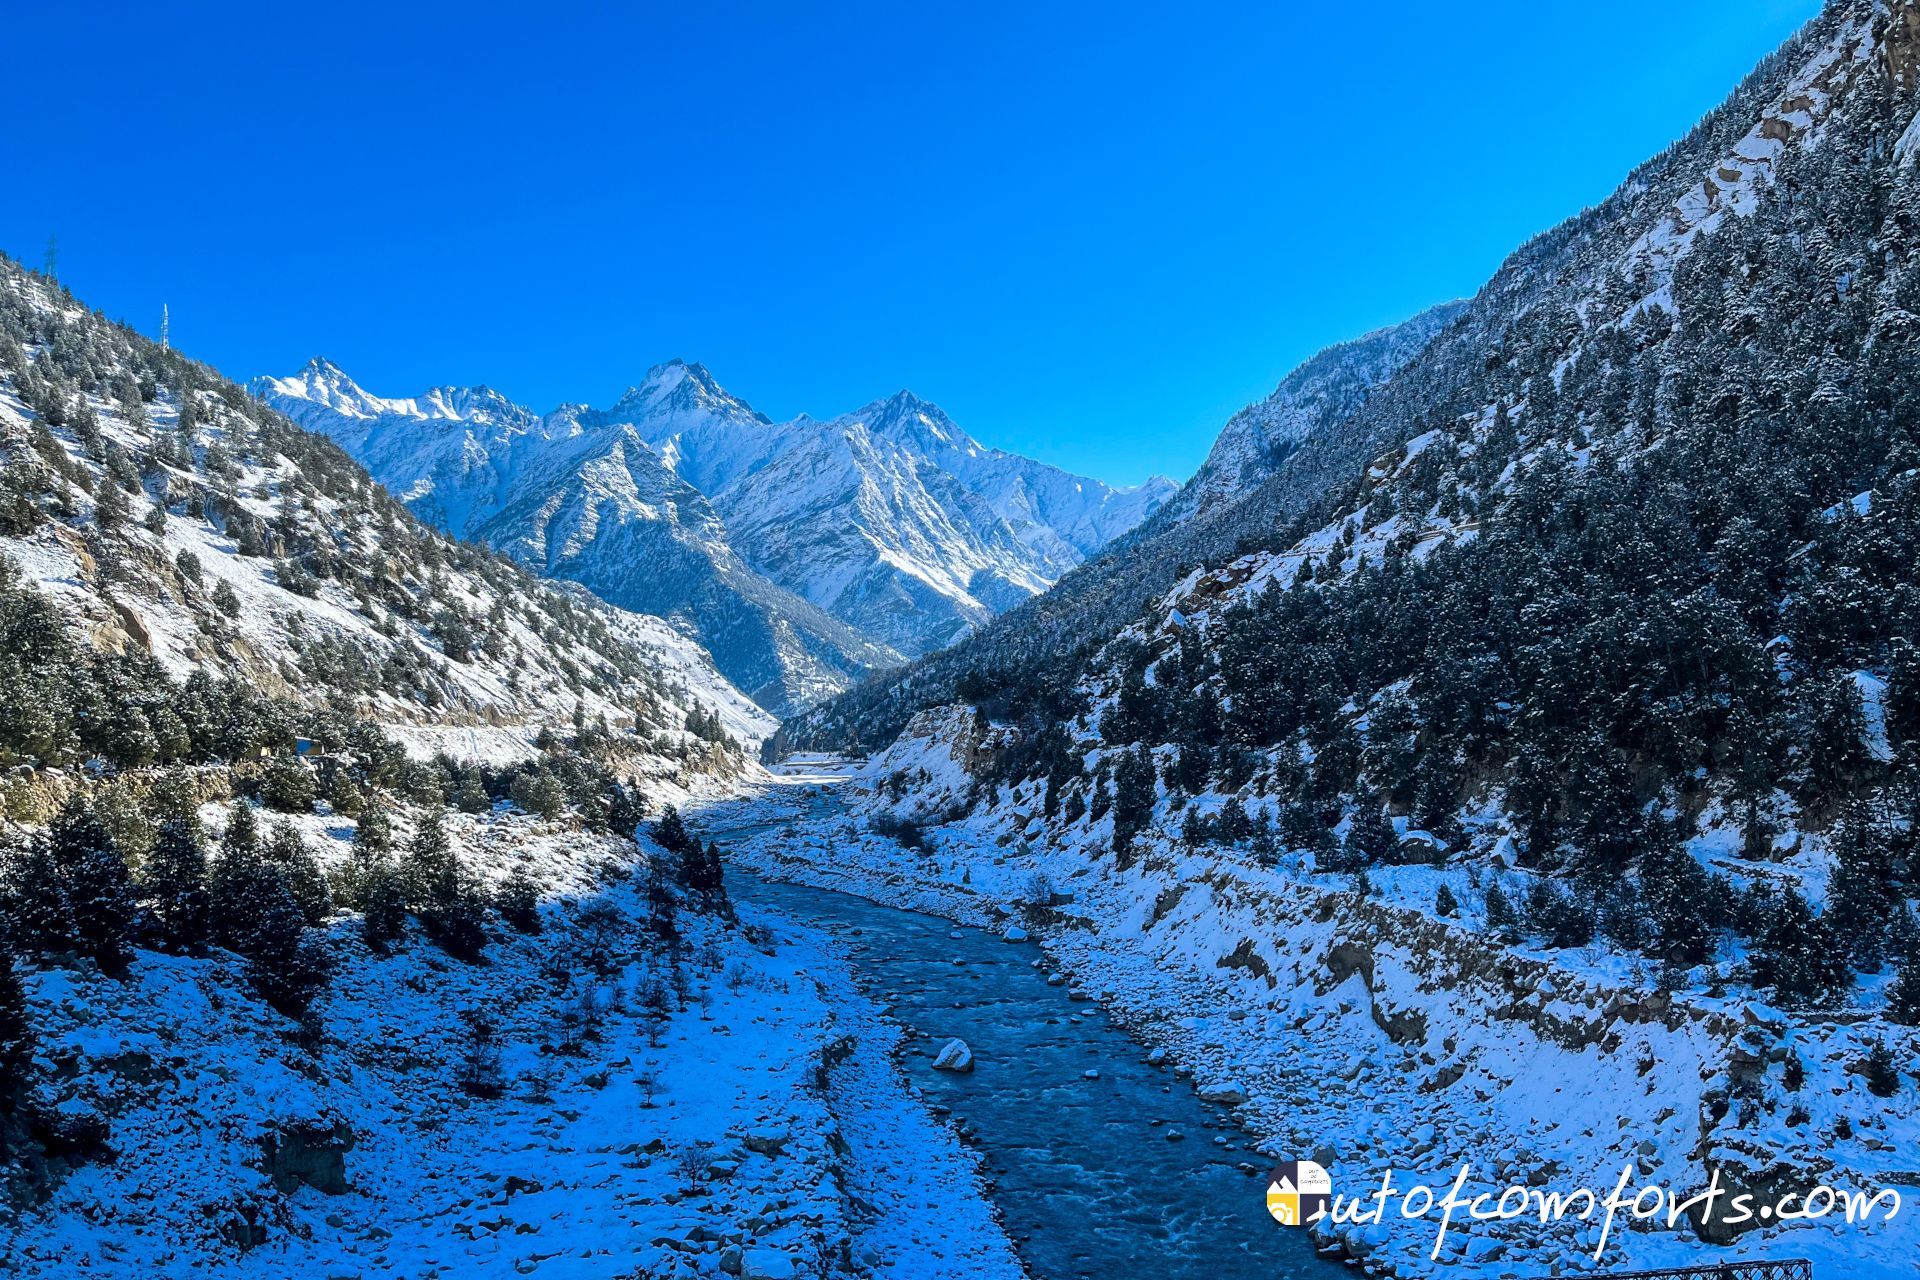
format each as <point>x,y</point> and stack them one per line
<point>1102,1165</point>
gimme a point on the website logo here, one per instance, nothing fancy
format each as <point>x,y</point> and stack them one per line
<point>1298,1192</point>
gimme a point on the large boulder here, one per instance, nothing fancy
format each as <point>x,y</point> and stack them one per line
<point>956,1056</point>
<point>310,1153</point>
<point>1229,1093</point>
<point>766,1264</point>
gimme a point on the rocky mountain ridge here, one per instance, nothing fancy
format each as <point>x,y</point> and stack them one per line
<point>804,554</point>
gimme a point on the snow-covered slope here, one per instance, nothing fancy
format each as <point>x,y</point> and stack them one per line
<point>1560,703</point>
<point>578,494</point>
<point>170,516</point>
<point>456,470</point>
<point>618,1138</point>
<point>894,519</point>
<point>1321,392</point>
<point>802,553</point>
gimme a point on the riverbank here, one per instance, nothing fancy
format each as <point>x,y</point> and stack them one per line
<point>1371,1041</point>
<point>1101,1163</point>
<point>731,1108</point>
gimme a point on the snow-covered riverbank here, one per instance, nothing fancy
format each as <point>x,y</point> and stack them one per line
<point>1375,1039</point>
<point>621,1115</point>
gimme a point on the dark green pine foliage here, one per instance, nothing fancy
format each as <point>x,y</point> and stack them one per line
<point>663,908</point>
<point>374,830</point>
<point>383,903</point>
<point>1134,795</point>
<point>36,909</point>
<point>1370,837</point>
<point>289,786</point>
<point>288,852</point>
<point>1798,958</point>
<point>256,915</point>
<point>1502,919</point>
<point>173,883</point>
<point>626,810</point>
<point>290,962</point>
<point>242,833</point>
<point>671,834</point>
<point>518,901</point>
<point>450,902</point>
<point>1903,999</point>
<point>705,876</point>
<point>17,1038</point>
<point>98,888</point>
<point>1864,897</point>
<point>471,794</point>
<point>1678,896</point>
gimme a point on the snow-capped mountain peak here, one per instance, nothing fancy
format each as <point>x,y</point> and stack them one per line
<point>677,388</point>
<point>916,423</point>
<point>891,519</point>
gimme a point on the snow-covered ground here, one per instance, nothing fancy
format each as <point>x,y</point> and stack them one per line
<point>759,1127</point>
<point>1373,1036</point>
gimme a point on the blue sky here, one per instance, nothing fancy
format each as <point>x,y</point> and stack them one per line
<point>1090,231</point>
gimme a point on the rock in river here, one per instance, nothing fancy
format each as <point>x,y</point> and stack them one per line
<point>955,1057</point>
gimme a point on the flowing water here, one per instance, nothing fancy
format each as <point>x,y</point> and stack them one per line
<point>1089,1175</point>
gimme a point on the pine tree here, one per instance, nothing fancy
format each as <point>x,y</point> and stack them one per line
<point>173,880</point>
<point>1301,828</point>
<point>662,910</point>
<point>671,834</point>
<point>471,797</point>
<point>1883,1078</point>
<point>704,874</point>
<point>1862,897</point>
<point>289,786</point>
<point>626,810</point>
<point>451,905</point>
<point>479,1073</point>
<point>36,909</point>
<point>288,852</point>
<point>110,507</point>
<point>16,1034</point>
<point>1502,921</point>
<point>374,831</point>
<point>518,901</point>
<point>242,892</point>
<point>243,829</point>
<point>289,962</point>
<point>1444,903</point>
<point>455,919</point>
<point>1903,998</point>
<point>1134,796</point>
<point>429,857</point>
<point>345,796</point>
<point>98,887</point>
<point>1371,840</point>
<point>1799,958</point>
<point>1677,895</point>
<point>383,904</point>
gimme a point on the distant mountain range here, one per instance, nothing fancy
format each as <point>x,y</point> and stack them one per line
<point>803,554</point>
